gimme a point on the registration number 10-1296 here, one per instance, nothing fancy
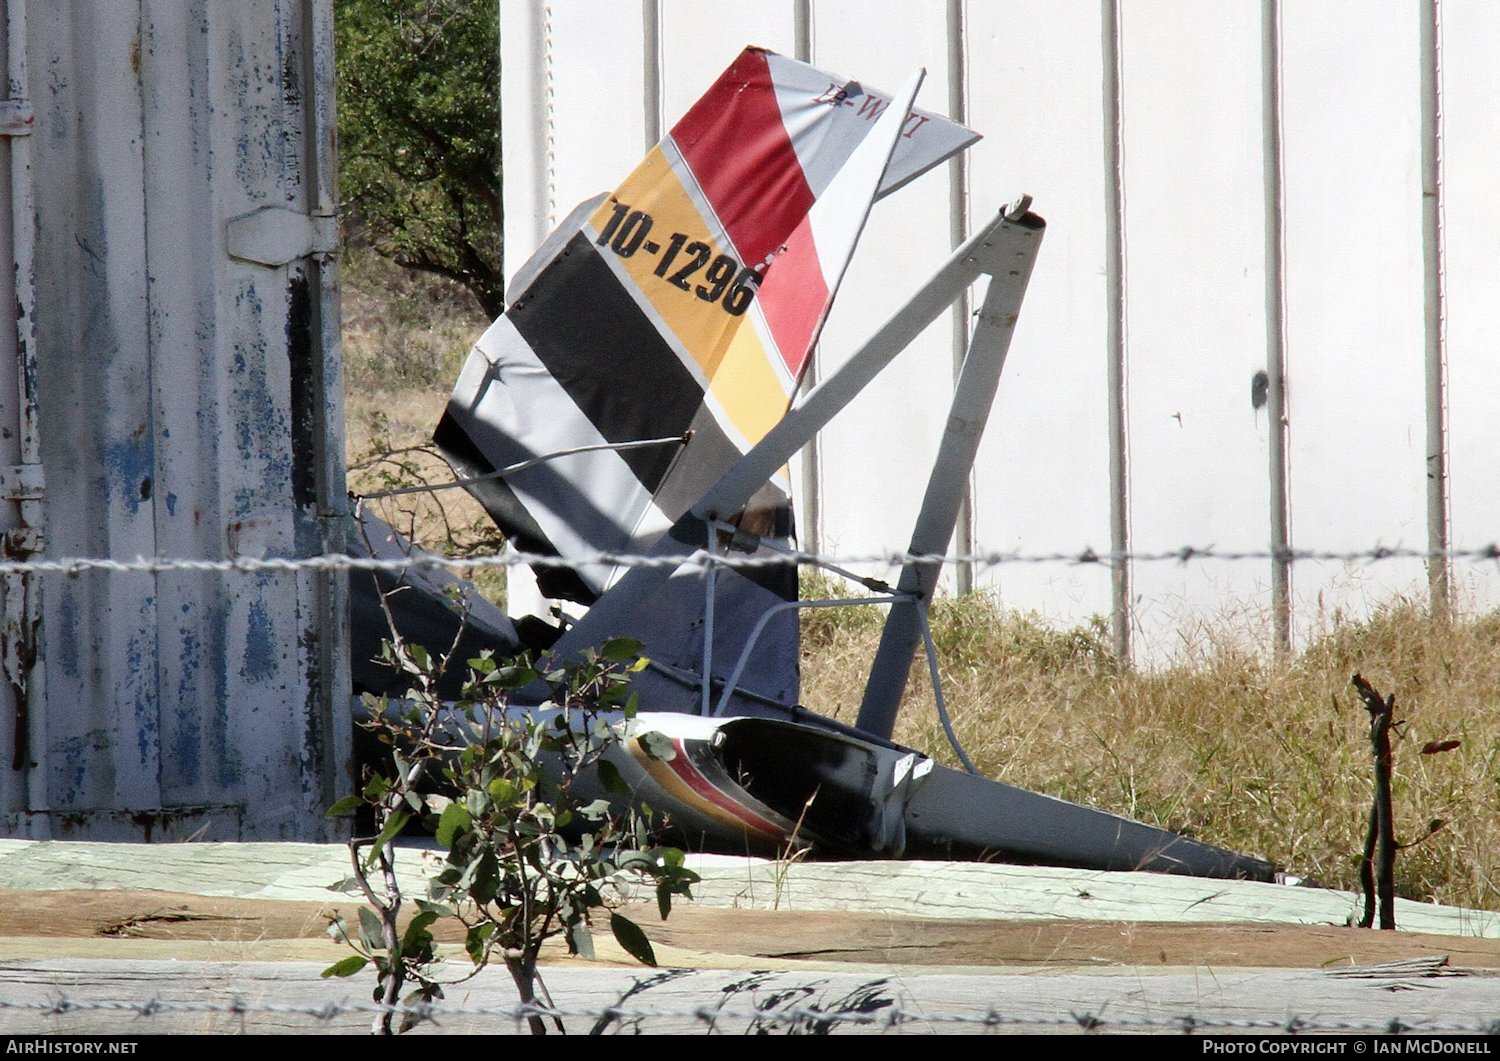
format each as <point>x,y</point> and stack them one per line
<point>724,280</point>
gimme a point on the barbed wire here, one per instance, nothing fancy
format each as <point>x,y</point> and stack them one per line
<point>891,1017</point>
<point>339,562</point>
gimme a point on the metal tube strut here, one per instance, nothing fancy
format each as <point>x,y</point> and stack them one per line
<point>990,250</point>
<point>973,396</point>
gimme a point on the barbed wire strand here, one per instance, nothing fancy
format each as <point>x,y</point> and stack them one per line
<point>890,1017</point>
<point>334,562</point>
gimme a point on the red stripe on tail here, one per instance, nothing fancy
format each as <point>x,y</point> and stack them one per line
<point>794,298</point>
<point>734,141</point>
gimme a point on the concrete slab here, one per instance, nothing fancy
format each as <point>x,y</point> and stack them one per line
<point>83,997</point>
<point>956,890</point>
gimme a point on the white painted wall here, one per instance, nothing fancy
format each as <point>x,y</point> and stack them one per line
<point>576,101</point>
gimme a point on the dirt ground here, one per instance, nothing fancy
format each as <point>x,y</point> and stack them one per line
<point>98,922</point>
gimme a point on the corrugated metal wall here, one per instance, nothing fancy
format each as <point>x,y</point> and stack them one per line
<point>190,399</point>
<point>1251,183</point>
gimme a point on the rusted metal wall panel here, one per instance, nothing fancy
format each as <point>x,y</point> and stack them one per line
<point>94,378</point>
<point>21,504</point>
<point>192,407</point>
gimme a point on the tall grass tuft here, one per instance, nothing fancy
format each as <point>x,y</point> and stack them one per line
<point>1263,755</point>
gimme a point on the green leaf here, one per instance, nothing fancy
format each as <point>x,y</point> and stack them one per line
<point>347,805</point>
<point>393,826</point>
<point>629,935</point>
<point>455,819</point>
<point>673,881</point>
<point>580,940</point>
<point>657,745</point>
<point>611,779</point>
<point>475,940</point>
<point>511,677</point>
<point>371,931</point>
<point>347,967</point>
<point>417,934</point>
<point>477,801</point>
<point>620,649</point>
<point>593,812</point>
<point>486,882</point>
<point>423,994</point>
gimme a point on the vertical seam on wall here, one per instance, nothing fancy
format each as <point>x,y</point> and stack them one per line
<point>1114,146</point>
<point>651,74</point>
<point>23,240</point>
<point>1442,267</point>
<point>549,118</point>
<point>812,454</point>
<point>154,667</point>
<point>958,231</point>
<point>1273,176</point>
<point>30,735</point>
<point>1435,309</point>
<point>332,685</point>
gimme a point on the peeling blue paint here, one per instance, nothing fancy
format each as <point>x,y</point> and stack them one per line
<point>260,644</point>
<point>186,763</point>
<point>72,758</point>
<point>145,733</point>
<point>63,645</point>
<point>140,659</point>
<point>205,682</point>
<point>262,429</point>
<point>216,656</point>
<point>129,462</point>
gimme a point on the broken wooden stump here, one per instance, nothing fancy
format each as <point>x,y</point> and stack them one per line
<point>1377,871</point>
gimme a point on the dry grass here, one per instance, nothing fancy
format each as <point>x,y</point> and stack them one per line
<point>1268,757</point>
<point>405,338</point>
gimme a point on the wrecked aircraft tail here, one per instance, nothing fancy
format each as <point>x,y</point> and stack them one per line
<point>676,314</point>
<point>637,398</point>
